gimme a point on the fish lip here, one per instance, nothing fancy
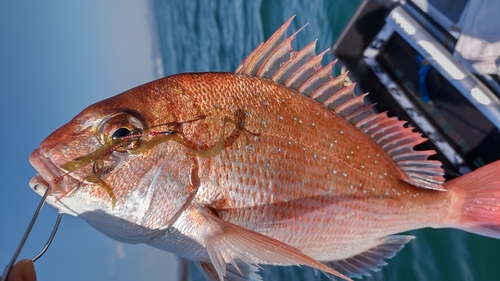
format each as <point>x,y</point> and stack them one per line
<point>48,175</point>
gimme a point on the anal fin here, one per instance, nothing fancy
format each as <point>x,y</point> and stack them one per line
<point>371,260</point>
<point>245,272</point>
<point>231,245</point>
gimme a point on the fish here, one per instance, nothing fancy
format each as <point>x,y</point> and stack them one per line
<point>278,163</point>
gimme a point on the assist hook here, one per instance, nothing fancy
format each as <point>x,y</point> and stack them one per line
<point>26,234</point>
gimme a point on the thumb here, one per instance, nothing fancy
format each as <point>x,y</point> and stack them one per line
<point>29,273</point>
<point>24,270</point>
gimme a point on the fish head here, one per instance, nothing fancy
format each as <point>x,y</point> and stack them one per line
<point>117,163</point>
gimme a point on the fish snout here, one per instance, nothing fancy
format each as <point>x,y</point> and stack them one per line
<point>48,175</point>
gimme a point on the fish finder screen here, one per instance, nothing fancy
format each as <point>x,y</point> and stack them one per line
<point>462,124</point>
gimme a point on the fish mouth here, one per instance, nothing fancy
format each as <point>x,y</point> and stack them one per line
<point>49,175</point>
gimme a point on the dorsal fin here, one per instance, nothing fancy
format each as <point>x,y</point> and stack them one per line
<point>302,71</point>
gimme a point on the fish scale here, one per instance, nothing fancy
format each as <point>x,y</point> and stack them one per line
<point>278,163</point>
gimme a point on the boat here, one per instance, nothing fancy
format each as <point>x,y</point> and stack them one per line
<point>405,54</point>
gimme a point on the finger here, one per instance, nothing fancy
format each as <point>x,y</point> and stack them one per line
<point>24,270</point>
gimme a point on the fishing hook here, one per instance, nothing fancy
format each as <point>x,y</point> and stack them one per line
<point>9,266</point>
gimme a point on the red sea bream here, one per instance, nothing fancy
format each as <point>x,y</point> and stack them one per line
<point>278,163</point>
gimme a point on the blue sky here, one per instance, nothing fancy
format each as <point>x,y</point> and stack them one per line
<point>57,57</point>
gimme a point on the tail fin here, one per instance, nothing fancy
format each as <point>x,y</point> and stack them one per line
<point>480,192</point>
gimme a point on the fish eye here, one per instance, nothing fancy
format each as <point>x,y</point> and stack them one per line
<point>115,128</point>
<point>120,133</point>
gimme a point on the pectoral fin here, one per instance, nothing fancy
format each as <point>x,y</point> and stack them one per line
<point>120,229</point>
<point>228,243</point>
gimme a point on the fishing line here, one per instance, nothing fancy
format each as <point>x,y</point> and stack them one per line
<point>9,266</point>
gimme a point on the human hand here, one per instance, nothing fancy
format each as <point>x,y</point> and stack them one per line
<point>24,270</point>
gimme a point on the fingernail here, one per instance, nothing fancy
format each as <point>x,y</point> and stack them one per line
<point>29,273</point>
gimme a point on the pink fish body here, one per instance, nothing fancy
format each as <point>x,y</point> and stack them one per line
<point>278,163</point>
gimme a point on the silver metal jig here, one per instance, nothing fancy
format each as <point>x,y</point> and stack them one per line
<point>9,266</point>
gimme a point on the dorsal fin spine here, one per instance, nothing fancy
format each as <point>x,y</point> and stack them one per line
<point>417,155</point>
<point>417,163</point>
<point>300,59</point>
<point>319,78</point>
<point>247,62</point>
<point>351,106</point>
<point>282,52</point>
<point>324,89</point>
<point>285,46</point>
<point>340,96</point>
<point>403,147</point>
<point>360,114</point>
<point>303,73</point>
<point>389,137</point>
<point>384,130</point>
<point>278,56</point>
<point>259,55</point>
<point>404,140</point>
<point>370,123</point>
<point>296,60</point>
<point>379,126</point>
<point>427,171</point>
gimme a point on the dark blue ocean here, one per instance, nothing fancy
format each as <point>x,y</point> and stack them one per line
<point>216,35</point>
